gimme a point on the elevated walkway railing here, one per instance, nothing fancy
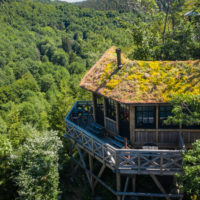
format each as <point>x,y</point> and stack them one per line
<point>125,161</point>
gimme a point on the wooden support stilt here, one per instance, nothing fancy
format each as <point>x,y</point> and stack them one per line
<point>125,187</point>
<point>134,183</point>
<point>159,185</point>
<point>118,181</point>
<point>118,193</point>
<point>100,173</point>
<point>84,165</point>
<point>91,164</point>
<point>176,185</point>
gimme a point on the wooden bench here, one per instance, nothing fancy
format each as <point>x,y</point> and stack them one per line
<point>95,131</point>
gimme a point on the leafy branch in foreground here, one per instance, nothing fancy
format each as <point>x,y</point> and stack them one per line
<point>191,168</point>
<point>186,110</point>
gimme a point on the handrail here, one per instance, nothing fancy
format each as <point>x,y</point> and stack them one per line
<point>124,159</point>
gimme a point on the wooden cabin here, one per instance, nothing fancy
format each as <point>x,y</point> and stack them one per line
<point>130,99</point>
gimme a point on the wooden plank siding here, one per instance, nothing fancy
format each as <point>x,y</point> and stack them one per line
<point>111,125</point>
<point>163,138</point>
<point>94,106</point>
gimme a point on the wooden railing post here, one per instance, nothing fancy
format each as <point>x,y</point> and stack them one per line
<point>118,186</point>
<point>94,106</point>
<point>138,154</point>
<point>161,162</point>
<point>132,124</point>
<point>117,117</point>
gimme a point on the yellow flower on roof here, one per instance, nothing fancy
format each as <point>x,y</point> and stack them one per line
<point>113,83</point>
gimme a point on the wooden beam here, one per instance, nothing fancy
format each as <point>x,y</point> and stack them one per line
<point>104,109</point>
<point>84,165</point>
<point>95,177</point>
<point>118,184</point>
<point>100,174</point>
<point>157,123</point>
<point>117,117</point>
<point>136,194</point>
<point>94,106</point>
<point>91,165</point>
<point>125,187</point>
<point>159,185</point>
<point>134,183</point>
<point>132,124</point>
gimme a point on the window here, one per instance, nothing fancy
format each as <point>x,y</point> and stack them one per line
<point>124,125</point>
<point>110,109</point>
<point>99,109</point>
<point>164,113</point>
<point>123,112</point>
<point>145,117</point>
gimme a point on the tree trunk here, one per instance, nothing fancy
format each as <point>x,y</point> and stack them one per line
<point>166,19</point>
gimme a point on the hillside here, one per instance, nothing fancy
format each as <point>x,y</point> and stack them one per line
<point>45,49</point>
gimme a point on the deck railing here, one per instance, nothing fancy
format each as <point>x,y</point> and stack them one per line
<point>125,161</point>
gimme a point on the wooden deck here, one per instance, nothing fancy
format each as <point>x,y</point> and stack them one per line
<point>123,161</point>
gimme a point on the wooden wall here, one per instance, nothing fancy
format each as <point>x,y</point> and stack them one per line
<point>164,138</point>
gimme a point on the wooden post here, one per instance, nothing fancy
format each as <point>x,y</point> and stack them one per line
<point>104,109</point>
<point>157,122</point>
<point>94,106</point>
<point>118,181</point>
<point>159,185</point>
<point>125,187</point>
<point>100,174</point>
<point>84,165</point>
<point>134,183</point>
<point>117,117</point>
<point>132,124</point>
<point>91,164</point>
<point>175,183</point>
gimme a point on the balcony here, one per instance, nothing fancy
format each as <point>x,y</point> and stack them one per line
<point>82,130</point>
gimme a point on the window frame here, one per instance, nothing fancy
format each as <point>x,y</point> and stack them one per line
<point>110,109</point>
<point>99,107</point>
<point>150,113</point>
<point>165,114</point>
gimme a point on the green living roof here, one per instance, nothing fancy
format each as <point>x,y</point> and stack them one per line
<point>142,81</point>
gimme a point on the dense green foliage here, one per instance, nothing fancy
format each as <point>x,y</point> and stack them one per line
<point>45,48</point>
<point>186,110</point>
<point>37,177</point>
<point>191,167</point>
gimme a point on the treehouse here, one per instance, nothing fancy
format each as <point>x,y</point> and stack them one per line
<point>123,126</point>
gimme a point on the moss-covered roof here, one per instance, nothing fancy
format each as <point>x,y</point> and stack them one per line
<point>142,81</point>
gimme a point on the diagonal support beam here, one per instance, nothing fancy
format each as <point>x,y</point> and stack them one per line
<point>100,174</point>
<point>125,187</point>
<point>84,165</point>
<point>159,185</point>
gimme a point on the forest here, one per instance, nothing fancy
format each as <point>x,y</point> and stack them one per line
<point>45,49</point>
